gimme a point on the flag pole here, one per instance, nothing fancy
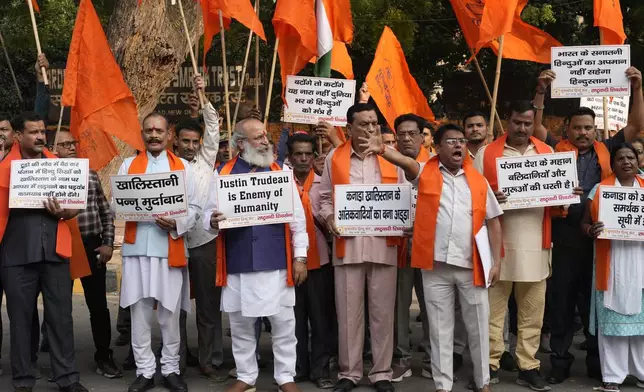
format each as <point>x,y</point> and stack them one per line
<point>487,90</point>
<point>241,85</point>
<point>270,83</point>
<point>35,27</point>
<point>202,101</point>
<point>13,75</point>
<point>226,97</point>
<point>257,61</point>
<point>60,121</point>
<point>495,91</point>
<point>604,99</point>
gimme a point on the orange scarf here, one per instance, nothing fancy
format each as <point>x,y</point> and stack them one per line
<point>340,167</point>
<point>603,155</point>
<point>221,238</point>
<point>69,243</point>
<point>495,150</point>
<point>176,247</point>
<point>423,156</point>
<point>313,257</point>
<point>430,188</point>
<point>602,246</point>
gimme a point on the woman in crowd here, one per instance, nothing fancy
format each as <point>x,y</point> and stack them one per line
<point>618,283</point>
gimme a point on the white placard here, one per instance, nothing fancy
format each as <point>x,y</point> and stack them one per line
<point>617,111</point>
<point>310,100</point>
<point>538,181</point>
<point>588,71</point>
<point>255,199</point>
<point>373,210</point>
<point>621,210</point>
<point>35,180</point>
<point>146,197</point>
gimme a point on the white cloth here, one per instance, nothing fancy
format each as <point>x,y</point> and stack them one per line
<point>257,294</point>
<point>150,277</point>
<point>453,243</point>
<point>203,166</point>
<point>621,356</point>
<point>242,332</point>
<point>146,363</point>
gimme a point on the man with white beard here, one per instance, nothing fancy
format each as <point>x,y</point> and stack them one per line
<point>259,281</point>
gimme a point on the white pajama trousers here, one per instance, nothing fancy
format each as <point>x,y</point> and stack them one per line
<point>621,356</point>
<point>242,330</point>
<point>142,317</point>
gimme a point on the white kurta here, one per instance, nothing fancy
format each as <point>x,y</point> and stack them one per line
<point>261,294</point>
<point>146,273</point>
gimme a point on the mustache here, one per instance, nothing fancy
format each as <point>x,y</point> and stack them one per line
<point>39,143</point>
<point>154,141</point>
<point>582,138</point>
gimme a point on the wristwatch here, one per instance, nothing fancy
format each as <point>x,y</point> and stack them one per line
<point>300,260</point>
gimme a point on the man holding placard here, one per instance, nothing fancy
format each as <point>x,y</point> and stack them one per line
<point>35,248</point>
<point>261,252</point>
<point>572,250</point>
<point>456,210</point>
<point>155,260</point>
<point>362,260</point>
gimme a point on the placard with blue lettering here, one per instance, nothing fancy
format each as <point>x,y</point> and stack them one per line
<point>538,180</point>
<point>255,199</point>
<point>621,209</point>
<point>146,197</point>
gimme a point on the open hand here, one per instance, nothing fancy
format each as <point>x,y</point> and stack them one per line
<point>372,144</point>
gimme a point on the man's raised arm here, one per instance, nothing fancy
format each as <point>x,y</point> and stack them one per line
<point>374,145</point>
<point>636,117</point>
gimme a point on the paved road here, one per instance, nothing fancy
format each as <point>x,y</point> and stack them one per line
<point>85,351</point>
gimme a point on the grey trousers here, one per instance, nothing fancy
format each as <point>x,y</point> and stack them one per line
<point>202,268</point>
<point>22,284</point>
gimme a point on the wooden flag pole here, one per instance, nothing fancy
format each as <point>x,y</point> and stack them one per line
<point>257,61</point>
<point>604,99</point>
<point>202,100</point>
<point>60,121</point>
<point>35,27</point>
<point>13,75</point>
<point>226,97</point>
<point>241,85</point>
<point>495,91</point>
<point>270,83</point>
<point>487,91</point>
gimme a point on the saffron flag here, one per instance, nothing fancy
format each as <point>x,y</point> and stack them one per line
<point>295,27</point>
<point>391,85</point>
<point>523,42</point>
<point>241,10</point>
<point>497,20</point>
<point>334,31</point>
<point>608,17</point>
<point>100,100</point>
<point>34,4</point>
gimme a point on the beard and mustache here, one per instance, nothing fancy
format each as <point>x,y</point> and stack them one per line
<point>256,157</point>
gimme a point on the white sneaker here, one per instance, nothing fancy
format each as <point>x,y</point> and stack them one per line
<point>427,374</point>
<point>232,373</point>
<point>400,374</point>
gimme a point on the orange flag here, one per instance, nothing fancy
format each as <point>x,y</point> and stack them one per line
<point>241,10</point>
<point>35,5</point>
<point>294,24</point>
<point>608,17</point>
<point>391,85</point>
<point>339,15</point>
<point>101,102</point>
<point>523,42</point>
<point>497,20</point>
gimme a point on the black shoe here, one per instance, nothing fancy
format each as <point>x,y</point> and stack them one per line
<point>75,387</point>
<point>129,363</point>
<point>508,363</point>
<point>344,385</point>
<point>23,389</point>
<point>533,380</point>
<point>175,383</point>
<point>141,384</point>
<point>557,375</point>
<point>384,386</point>
<point>494,376</point>
<point>108,368</point>
<point>122,340</point>
<point>457,362</point>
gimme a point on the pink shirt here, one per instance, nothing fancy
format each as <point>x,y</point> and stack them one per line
<point>314,195</point>
<point>357,249</point>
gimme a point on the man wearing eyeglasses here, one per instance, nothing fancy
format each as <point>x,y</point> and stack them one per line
<point>96,225</point>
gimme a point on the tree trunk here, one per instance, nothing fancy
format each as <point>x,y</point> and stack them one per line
<point>149,44</point>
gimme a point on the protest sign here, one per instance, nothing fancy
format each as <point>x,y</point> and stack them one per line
<point>617,111</point>
<point>145,197</point>
<point>255,199</point>
<point>373,210</point>
<point>588,71</point>
<point>538,180</point>
<point>35,180</point>
<point>310,100</point>
<point>621,210</point>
